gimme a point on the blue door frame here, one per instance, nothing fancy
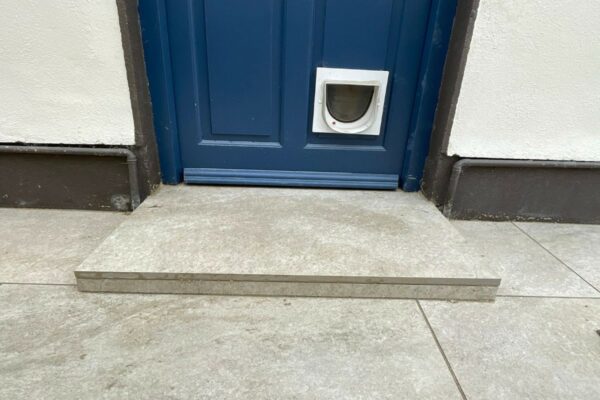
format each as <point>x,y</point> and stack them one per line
<point>159,66</point>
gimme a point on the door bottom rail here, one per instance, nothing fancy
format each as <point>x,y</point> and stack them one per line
<point>218,176</point>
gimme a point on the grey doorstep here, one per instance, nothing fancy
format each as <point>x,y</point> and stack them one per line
<point>287,242</point>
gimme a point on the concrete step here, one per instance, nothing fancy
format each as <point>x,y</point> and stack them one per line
<point>287,242</point>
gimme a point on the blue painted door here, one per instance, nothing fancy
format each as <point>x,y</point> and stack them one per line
<point>243,73</point>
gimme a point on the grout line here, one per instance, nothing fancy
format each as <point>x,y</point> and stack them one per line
<point>439,346</point>
<point>37,284</point>
<point>557,259</point>
<point>548,297</point>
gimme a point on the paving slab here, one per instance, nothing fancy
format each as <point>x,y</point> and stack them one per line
<point>521,348</point>
<point>45,246</point>
<point>56,342</point>
<point>526,268</point>
<point>295,242</point>
<point>578,246</point>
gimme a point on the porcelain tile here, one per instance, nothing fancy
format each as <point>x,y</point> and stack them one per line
<point>58,343</point>
<point>525,267</point>
<point>287,232</point>
<point>576,245</point>
<point>45,246</point>
<point>521,348</point>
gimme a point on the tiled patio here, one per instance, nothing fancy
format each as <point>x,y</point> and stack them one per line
<point>538,339</point>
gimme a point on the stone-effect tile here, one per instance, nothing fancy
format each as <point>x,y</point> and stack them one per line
<point>284,232</point>
<point>58,343</point>
<point>198,195</point>
<point>576,245</point>
<point>521,348</point>
<point>526,268</point>
<point>45,246</point>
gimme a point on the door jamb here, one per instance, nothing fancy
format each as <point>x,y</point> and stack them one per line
<point>435,48</point>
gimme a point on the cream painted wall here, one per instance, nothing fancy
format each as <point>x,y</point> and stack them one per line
<point>531,88</point>
<point>62,73</point>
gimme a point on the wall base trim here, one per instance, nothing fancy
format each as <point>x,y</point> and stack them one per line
<point>524,190</point>
<point>218,176</point>
<point>68,178</point>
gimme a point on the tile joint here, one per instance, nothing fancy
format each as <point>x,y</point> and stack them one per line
<point>441,350</point>
<point>554,256</point>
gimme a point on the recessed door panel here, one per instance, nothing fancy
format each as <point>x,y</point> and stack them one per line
<point>243,47</point>
<point>357,33</point>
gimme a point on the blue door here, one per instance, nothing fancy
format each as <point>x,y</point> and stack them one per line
<point>241,74</point>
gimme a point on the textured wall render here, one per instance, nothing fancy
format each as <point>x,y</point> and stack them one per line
<point>531,88</point>
<point>62,73</point>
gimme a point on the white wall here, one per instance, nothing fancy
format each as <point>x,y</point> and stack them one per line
<point>531,88</point>
<point>62,73</point>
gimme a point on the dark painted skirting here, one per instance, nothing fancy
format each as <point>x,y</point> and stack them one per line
<point>290,178</point>
<point>525,190</point>
<point>91,181</point>
<point>64,181</point>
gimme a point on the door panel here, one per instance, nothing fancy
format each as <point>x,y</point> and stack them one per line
<point>244,73</point>
<point>243,58</point>
<point>357,33</point>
